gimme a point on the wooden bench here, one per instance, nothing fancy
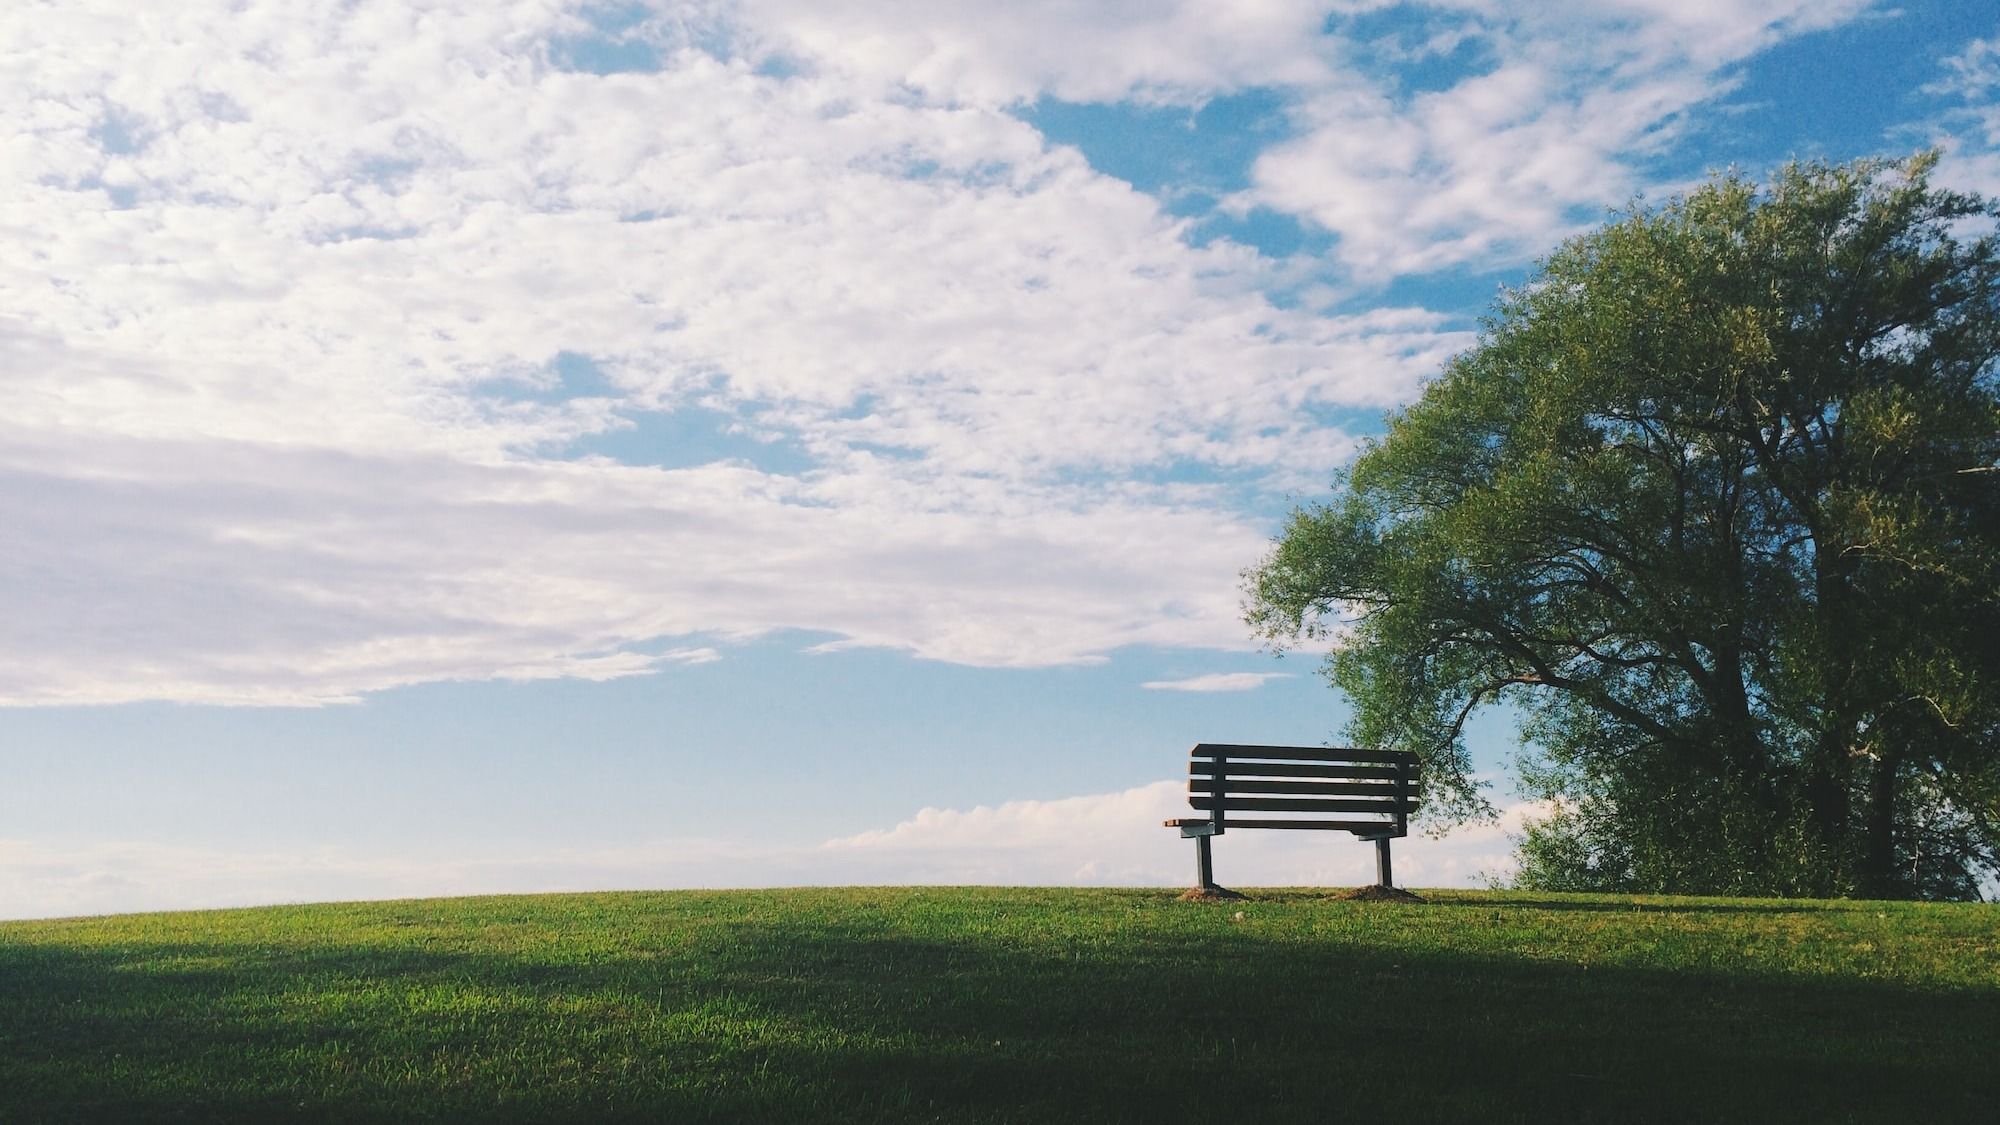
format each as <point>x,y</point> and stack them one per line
<point>1370,793</point>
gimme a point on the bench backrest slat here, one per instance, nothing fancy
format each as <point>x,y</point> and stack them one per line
<point>1304,753</point>
<point>1384,789</point>
<point>1238,768</point>
<point>1324,825</point>
<point>1232,802</point>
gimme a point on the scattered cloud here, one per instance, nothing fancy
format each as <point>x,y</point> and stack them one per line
<point>1968,126</point>
<point>1972,73</point>
<point>1497,166</point>
<point>1218,681</point>
<point>1548,118</point>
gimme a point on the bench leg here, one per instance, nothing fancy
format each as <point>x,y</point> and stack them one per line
<point>1382,876</point>
<point>1204,864</point>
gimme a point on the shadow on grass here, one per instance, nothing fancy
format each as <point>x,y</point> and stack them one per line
<point>776,1021</point>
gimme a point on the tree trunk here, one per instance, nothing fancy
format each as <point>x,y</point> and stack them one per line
<point>1830,772</point>
<point>1879,875</point>
<point>1830,803</point>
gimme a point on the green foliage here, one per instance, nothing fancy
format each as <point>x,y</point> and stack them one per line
<point>1715,503</point>
<point>1005,1005</point>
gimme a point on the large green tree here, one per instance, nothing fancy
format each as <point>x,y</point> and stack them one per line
<point>1713,504</point>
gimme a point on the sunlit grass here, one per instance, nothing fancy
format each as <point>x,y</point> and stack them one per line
<point>974,1004</point>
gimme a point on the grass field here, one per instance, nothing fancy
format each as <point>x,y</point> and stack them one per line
<point>954,1004</point>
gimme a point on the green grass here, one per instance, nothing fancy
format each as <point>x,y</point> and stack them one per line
<point>953,1004</point>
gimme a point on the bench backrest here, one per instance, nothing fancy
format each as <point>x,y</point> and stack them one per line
<point>1362,791</point>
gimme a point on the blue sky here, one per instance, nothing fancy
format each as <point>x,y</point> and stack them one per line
<point>547,445</point>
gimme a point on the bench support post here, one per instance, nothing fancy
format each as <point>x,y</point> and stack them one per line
<point>1382,862</point>
<point>1204,866</point>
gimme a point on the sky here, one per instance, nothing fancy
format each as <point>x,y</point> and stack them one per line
<point>525,445</point>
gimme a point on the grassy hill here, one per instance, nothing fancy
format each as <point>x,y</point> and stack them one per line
<point>957,1004</point>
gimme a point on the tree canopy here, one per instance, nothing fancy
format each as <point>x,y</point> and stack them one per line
<point>1714,504</point>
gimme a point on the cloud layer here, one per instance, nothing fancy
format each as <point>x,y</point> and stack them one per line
<point>1109,839</point>
<point>295,311</point>
<point>354,345</point>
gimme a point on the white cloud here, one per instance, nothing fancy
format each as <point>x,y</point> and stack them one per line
<point>1972,73</point>
<point>1968,128</point>
<point>1108,839</point>
<point>1218,681</point>
<point>1177,51</point>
